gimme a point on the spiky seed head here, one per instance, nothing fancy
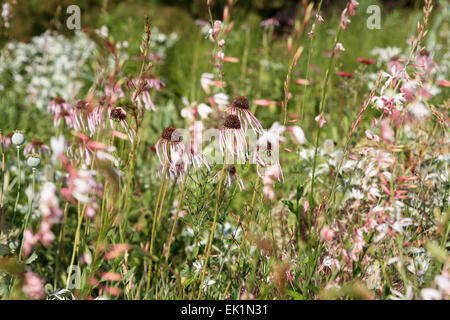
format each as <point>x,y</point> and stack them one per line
<point>59,100</point>
<point>241,102</point>
<point>82,104</point>
<point>118,114</point>
<point>171,134</point>
<point>232,121</point>
<point>232,170</point>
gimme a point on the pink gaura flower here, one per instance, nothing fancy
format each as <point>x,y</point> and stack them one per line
<point>338,48</point>
<point>344,74</point>
<point>321,120</point>
<point>352,5</point>
<point>387,134</point>
<point>344,19</point>
<point>326,234</point>
<point>365,61</point>
<point>33,286</point>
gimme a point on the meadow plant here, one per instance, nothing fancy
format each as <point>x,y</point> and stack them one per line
<point>236,160</point>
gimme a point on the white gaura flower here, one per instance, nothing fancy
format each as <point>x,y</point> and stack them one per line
<point>396,295</point>
<point>419,110</point>
<point>443,284</point>
<point>430,294</point>
<point>385,54</point>
<point>204,110</point>
<point>222,100</point>
<point>207,80</point>
<point>328,146</point>
<point>102,32</point>
<point>273,136</point>
<point>207,282</point>
<point>297,135</point>
<point>191,110</point>
<point>198,266</point>
<point>58,146</point>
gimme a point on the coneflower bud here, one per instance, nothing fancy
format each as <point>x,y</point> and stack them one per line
<point>18,138</point>
<point>171,134</point>
<point>241,102</point>
<point>59,100</point>
<point>232,170</point>
<point>232,122</point>
<point>81,104</point>
<point>118,114</point>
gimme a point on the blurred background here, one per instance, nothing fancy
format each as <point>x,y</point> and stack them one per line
<point>36,16</point>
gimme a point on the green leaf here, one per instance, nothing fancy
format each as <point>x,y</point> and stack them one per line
<point>295,295</point>
<point>31,258</point>
<point>290,205</point>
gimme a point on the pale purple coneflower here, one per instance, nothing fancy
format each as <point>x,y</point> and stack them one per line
<point>36,146</point>
<point>232,138</point>
<point>231,177</point>
<point>57,104</point>
<point>120,115</point>
<point>194,150</point>
<point>240,108</point>
<point>169,147</point>
<point>80,116</point>
<point>60,110</point>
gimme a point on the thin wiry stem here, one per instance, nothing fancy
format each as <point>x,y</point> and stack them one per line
<point>180,201</point>
<point>213,227</point>
<point>155,216</point>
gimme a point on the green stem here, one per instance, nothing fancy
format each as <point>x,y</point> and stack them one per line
<point>155,216</point>
<point>27,218</point>
<point>180,201</point>
<point>213,228</point>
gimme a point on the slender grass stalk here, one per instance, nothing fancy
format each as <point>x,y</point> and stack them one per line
<point>288,81</point>
<point>180,202</point>
<point>213,227</point>
<point>19,183</point>
<point>244,239</point>
<point>155,216</point>
<point>27,218</point>
<point>310,53</point>
<point>321,109</point>
<point>76,243</point>
<point>2,173</point>
<point>61,246</point>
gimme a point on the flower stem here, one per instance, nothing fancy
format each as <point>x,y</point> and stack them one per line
<point>19,184</point>
<point>27,218</point>
<point>155,216</point>
<point>213,228</point>
<point>252,205</point>
<point>180,201</point>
